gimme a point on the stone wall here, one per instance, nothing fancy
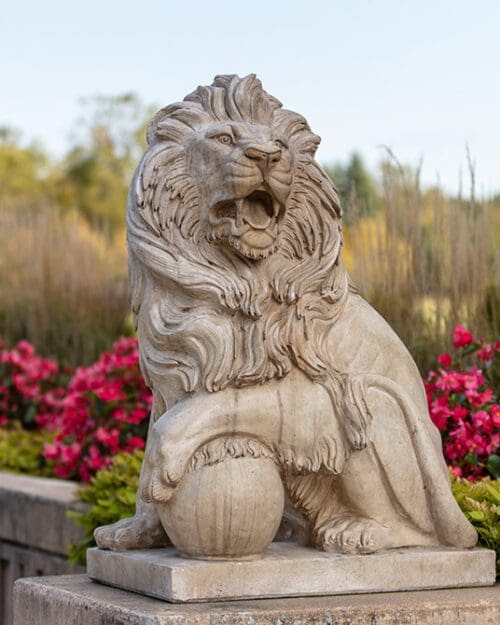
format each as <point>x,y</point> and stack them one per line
<point>35,532</point>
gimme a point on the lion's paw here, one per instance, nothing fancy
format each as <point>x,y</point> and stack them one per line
<point>137,532</point>
<point>156,488</point>
<point>350,534</point>
<point>164,467</point>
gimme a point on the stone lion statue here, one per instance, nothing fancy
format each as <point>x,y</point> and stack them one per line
<point>249,325</point>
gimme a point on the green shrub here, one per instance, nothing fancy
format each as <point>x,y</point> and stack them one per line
<point>480,502</point>
<point>21,451</point>
<point>109,496</point>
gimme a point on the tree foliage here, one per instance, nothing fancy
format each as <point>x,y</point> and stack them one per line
<point>23,169</point>
<point>95,173</point>
<point>93,176</point>
<point>357,188</point>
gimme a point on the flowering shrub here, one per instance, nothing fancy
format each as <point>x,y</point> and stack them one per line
<point>30,386</point>
<point>104,408</point>
<point>104,411</point>
<point>462,396</point>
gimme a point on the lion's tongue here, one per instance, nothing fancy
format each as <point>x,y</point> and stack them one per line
<point>254,213</point>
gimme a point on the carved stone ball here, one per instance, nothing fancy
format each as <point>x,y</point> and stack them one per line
<point>228,509</point>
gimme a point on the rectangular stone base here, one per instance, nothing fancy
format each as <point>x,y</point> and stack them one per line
<point>75,600</point>
<point>288,570</point>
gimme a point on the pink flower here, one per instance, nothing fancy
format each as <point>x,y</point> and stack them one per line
<point>95,460</point>
<point>486,352</point>
<point>109,438</point>
<point>70,453</point>
<point>51,451</point>
<point>461,337</point>
<point>450,381</point>
<point>479,399</point>
<point>495,415</point>
<point>111,391</point>
<point>482,420</point>
<point>440,412</point>
<point>473,379</point>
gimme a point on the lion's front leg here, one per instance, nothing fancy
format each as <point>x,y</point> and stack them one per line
<point>292,417</point>
<point>195,421</point>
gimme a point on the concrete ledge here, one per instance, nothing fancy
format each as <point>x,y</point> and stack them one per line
<point>34,512</point>
<point>76,600</point>
<point>35,531</point>
<point>287,570</point>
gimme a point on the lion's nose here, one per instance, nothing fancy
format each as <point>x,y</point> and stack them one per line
<point>263,154</point>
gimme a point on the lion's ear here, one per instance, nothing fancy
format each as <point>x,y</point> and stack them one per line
<point>310,143</point>
<point>297,131</point>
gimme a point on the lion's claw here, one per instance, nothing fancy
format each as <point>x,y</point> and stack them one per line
<point>349,534</point>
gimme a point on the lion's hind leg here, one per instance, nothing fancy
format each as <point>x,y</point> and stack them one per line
<point>334,525</point>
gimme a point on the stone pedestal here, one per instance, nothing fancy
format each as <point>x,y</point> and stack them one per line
<point>287,570</point>
<point>75,600</point>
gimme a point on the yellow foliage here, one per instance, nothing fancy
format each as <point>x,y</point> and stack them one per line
<point>427,262</point>
<point>63,284</point>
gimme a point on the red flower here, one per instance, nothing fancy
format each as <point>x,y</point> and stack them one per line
<point>459,413</point>
<point>445,360</point>
<point>461,337</point>
<point>135,442</point>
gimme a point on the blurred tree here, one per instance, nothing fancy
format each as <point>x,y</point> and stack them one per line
<point>23,170</point>
<point>95,174</point>
<point>356,187</point>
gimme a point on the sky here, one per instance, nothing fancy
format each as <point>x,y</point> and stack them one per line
<point>422,77</point>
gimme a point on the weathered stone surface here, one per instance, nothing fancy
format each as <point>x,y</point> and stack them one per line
<point>259,349</point>
<point>34,512</point>
<point>286,570</point>
<point>75,600</point>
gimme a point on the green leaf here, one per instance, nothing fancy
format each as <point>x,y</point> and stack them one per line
<point>477,515</point>
<point>471,458</point>
<point>110,496</point>
<point>493,465</point>
<point>470,349</point>
<point>478,501</point>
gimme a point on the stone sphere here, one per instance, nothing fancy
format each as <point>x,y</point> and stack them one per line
<point>228,510</point>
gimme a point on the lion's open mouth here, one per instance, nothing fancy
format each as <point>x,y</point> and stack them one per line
<point>249,224</point>
<point>258,210</point>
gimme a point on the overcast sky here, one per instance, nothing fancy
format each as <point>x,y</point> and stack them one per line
<point>422,77</point>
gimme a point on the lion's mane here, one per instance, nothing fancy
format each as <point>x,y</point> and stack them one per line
<point>205,315</point>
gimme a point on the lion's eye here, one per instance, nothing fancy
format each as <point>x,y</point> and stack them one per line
<point>225,139</point>
<point>279,144</point>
